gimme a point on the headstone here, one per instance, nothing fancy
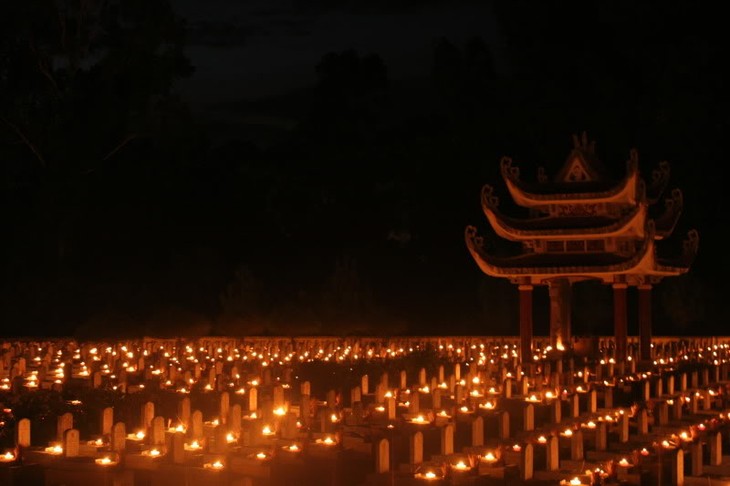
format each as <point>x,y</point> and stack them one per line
<point>623,428</point>
<point>119,437</point>
<point>355,395</point>
<point>183,411</point>
<point>382,457</point>
<point>601,436</point>
<point>552,456</point>
<point>714,440</point>
<point>528,418</point>
<point>196,425</point>
<point>71,443</point>
<point>576,446</point>
<point>477,432</point>
<point>677,472</point>
<point>415,449</point>
<point>447,439</point>
<point>234,419</point>
<point>107,421</point>
<point>253,399</point>
<point>178,448</point>
<point>157,431</point>
<point>23,433</point>
<point>364,384</point>
<point>436,398</point>
<point>526,462</point>
<point>695,452</point>
<point>148,413</point>
<point>225,403</point>
<point>64,423</point>
<point>390,408</point>
<point>642,422</point>
<point>414,402</point>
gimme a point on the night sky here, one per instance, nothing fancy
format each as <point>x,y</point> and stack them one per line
<point>294,167</point>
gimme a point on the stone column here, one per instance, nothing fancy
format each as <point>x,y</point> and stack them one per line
<point>645,322</point>
<point>559,290</point>
<point>526,323</point>
<point>620,321</point>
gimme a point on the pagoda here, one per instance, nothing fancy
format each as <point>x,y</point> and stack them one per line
<point>584,225</point>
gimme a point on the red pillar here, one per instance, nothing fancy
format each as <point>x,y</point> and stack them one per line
<point>620,320</point>
<point>526,323</point>
<point>645,322</point>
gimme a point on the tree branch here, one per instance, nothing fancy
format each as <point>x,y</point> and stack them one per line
<point>121,145</point>
<point>25,140</point>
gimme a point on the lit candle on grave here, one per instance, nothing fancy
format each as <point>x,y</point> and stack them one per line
<point>590,424</point>
<point>542,439</point>
<point>443,414</point>
<point>460,466</point>
<point>152,453</point>
<point>292,448</point>
<point>334,418</point>
<point>487,405</point>
<point>327,440</point>
<point>139,435</point>
<point>230,438</point>
<point>267,431</point>
<point>667,445</point>
<point>685,436</point>
<point>261,456</point>
<point>105,461</point>
<point>216,465</point>
<point>7,457</point>
<point>644,451</point>
<point>567,433</point>
<point>532,398</point>
<point>54,449</point>
<point>517,448</point>
<point>280,411</point>
<point>624,462</point>
<point>489,457</point>
<point>192,446</point>
<point>427,475</point>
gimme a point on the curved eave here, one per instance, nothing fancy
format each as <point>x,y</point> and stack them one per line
<point>666,223</point>
<point>624,192</point>
<point>659,181</point>
<point>631,224</point>
<point>642,262</point>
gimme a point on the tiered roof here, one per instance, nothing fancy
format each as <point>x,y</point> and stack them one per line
<point>600,228</point>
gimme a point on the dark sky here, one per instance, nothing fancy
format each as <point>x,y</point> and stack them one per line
<point>309,166</point>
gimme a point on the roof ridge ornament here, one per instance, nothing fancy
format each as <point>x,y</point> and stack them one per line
<point>489,200</point>
<point>581,143</point>
<point>508,170</point>
<point>690,245</point>
<point>661,172</point>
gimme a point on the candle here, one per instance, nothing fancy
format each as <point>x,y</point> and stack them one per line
<point>105,461</point>
<point>461,466</point>
<point>193,446</point>
<point>54,449</point>
<point>7,457</point>
<point>217,465</point>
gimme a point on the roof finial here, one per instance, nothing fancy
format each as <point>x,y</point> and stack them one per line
<point>581,143</point>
